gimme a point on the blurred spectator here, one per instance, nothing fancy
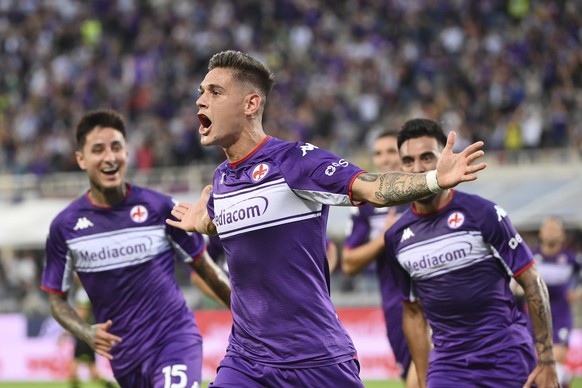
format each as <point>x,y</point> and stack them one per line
<point>343,67</point>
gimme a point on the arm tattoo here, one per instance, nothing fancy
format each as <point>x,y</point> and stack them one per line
<point>395,188</point>
<point>66,315</point>
<point>537,296</point>
<point>214,277</point>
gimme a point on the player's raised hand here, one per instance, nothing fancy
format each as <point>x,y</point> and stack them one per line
<point>453,169</point>
<point>103,341</point>
<point>194,217</point>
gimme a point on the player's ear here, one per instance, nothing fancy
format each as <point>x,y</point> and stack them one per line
<point>252,103</point>
<point>80,160</point>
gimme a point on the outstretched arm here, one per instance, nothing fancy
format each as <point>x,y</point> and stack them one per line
<point>194,217</point>
<point>96,335</point>
<point>355,260</point>
<point>536,293</point>
<point>211,280</point>
<point>393,188</point>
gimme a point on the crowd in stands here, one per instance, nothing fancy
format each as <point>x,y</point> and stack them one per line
<point>505,71</point>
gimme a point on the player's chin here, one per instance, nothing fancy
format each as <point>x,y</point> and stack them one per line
<point>208,140</point>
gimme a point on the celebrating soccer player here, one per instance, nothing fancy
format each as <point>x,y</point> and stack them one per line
<point>269,203</point>
<point>116,239</point>
<point>453,255</point>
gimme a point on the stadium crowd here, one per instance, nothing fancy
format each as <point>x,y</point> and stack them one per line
<point>506,72</point>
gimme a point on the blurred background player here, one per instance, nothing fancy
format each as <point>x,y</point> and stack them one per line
<point>453,255</point>
<point>364,249</point>
<point>115,239</point>
<point>560,269</point>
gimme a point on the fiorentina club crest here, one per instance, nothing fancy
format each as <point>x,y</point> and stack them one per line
<point>259,172</point>
<point>139,214</point>
<point>455,220</point>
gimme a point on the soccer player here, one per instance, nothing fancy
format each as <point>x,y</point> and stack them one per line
<point>269,204</point>
<point>115,238</point>
<point>560,270</point>
<point>364,248</point>
<point>453,255</point>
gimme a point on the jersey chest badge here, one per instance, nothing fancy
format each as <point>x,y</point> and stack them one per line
<point>259,172</point>
<point>139,214</point>
<point>456,219</point>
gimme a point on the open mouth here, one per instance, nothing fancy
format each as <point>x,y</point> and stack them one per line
<point>110,170</point>
<point>204,120</point>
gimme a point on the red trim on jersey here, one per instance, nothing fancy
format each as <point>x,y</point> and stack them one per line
<point>50,290</point>
<point>234,164</point>
<point>523,269</point>
<point>197,258</point>
<point>350,189</point>
<point>127,192</point>
<point>437,210</point>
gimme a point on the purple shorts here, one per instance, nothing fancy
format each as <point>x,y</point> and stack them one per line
<point>509,368</point>
<point>177,363</point>
<point>239,372</point>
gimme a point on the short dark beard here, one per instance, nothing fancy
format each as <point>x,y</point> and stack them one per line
<point>427,200</point>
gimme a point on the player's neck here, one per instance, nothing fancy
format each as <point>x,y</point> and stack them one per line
<point>437,203</point>
<point>107,197</point>
<point>245,145</point>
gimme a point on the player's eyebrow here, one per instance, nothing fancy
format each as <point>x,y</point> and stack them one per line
<point>209,87</point>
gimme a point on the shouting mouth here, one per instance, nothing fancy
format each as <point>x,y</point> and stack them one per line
<point>205,124</point>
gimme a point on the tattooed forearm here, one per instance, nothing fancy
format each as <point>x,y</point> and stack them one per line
<point>395,188</point>
<point>66,315</point>
<point>215,278</point>
<point>538,301</point>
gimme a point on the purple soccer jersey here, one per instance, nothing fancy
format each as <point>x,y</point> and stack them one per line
<point>458,262</point>
<point>271,211</point>
<point>124,256</point>
<point>367,223</point>
<point>560,272</point>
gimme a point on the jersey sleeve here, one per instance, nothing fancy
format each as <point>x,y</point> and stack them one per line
<point>215,248</point>
<point>500,233</point>
<point>358,230</point>
<point>318,175</point>
<point>57,274</point>
<point>401,277</point>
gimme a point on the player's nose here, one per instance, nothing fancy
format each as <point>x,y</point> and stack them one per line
<point>418,166</point>
<point>200,102</point>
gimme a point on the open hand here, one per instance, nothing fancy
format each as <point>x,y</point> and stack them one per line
<point>194,217</point>
<point>101,340</point>
<point>453,169</point>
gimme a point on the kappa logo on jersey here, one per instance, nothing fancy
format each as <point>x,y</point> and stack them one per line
<point>83,223</point>
<point>307,147</point>
<point>455,220</point>
<point>406,234</point>
<point>500,213</point>
<point>139,214</point>
<point>222,178</point>
<point>259,172</point>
